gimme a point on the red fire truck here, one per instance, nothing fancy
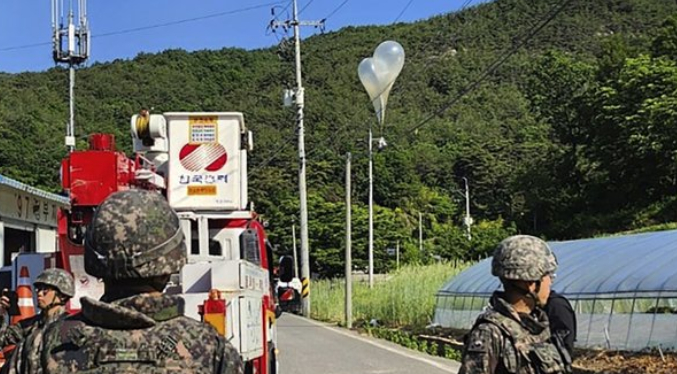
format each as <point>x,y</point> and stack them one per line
<point>198,161</point>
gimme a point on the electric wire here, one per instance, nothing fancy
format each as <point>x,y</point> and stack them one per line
<point>273,156</point>
<point>550,15</point>
<point>306,6</point>
<point>341,131</point>
<point>289,3</point>
<point>403,10</point>
<point>344,127</point>
<point>334,11</point>
<point>24,46</point>
<point>186,20</point>
<point>495,65</point>
<point>155,26</point>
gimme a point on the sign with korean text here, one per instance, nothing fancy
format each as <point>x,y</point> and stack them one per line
<point>204,166</point>
<point>24,206</point>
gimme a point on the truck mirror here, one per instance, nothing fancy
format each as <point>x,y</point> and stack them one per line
<point>286,268</point>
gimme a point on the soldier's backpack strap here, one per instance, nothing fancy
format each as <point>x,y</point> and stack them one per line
<point>543,357</point>
<point>513,357</point>
<point>567,360</point>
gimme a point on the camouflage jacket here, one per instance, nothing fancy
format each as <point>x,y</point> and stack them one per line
<point>503,341</point>
<point>15,334</point>
<point>31,343</point>
<point>140,334</point>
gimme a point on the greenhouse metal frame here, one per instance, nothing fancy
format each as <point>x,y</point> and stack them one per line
<point>623,289</point>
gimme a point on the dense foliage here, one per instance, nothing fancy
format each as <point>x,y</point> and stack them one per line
<point>576,134</point>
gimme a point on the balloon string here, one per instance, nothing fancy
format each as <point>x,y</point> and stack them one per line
<point>379,115</point>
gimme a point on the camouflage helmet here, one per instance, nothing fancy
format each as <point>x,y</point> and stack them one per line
<point>60,279</point>
<point>523,257</point>
<point>134,234</point>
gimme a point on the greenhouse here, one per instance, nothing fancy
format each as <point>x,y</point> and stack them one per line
<point>623,289</point>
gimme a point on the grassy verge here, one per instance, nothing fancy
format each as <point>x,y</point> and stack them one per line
<point>413,341</point>
<point>404,302</point>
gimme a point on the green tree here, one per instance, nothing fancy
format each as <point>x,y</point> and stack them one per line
<point>634,134</point>
<point>665,43</point>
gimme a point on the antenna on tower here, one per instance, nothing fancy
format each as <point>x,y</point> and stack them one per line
<point>71,43</point>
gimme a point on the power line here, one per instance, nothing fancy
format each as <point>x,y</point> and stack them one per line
<point>335,10</point>
<point>270,29</point>
<point>289,2</point>
<point>298,99</point>
<point>437,36</point>
<point>306,6</point>
<point>495,65</point>
<point>403,10</point>
<point>550,15</point>
<point>341,133</point>
<point>155,26</point>
<point>265,163</point>
<point>345,125</point>
<point>187,20</point>
<point>273,156</point>
<point>25,46</point>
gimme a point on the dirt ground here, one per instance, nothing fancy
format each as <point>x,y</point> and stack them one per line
<point>598,362</point>
<point>606,362</point>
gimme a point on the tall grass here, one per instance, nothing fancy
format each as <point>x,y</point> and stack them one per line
<point>405,298</point>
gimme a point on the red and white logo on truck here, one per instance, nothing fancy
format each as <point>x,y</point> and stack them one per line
<point>205,156</point>
<point>206,165</point>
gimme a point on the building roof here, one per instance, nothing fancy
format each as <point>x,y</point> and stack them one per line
<point>638,265</point>
<point>9,182</point>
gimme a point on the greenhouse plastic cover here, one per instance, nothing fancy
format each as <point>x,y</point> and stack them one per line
<point>639,265</point>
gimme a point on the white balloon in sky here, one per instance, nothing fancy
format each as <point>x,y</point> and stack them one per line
<point>378,74</point>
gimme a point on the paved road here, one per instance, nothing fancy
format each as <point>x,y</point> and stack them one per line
<point>309,347</point>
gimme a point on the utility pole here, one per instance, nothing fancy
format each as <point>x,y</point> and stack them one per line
<point>371,208</point>
<point>299,101</point>
<point>349,265</point>
<point>296,259</point>
<point>468,221</point>
<point>70,46</point>
<point>420,232</point>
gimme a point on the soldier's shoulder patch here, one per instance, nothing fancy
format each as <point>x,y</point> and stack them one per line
<point>479,340</point>
<point>477,346</point>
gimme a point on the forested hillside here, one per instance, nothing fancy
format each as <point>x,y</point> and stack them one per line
<point>574,135</point>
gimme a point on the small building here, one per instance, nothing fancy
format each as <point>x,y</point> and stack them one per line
<point>623,289</point>
<point>28,219</point>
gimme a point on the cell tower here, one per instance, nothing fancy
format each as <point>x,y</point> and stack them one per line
<point>70,47</point>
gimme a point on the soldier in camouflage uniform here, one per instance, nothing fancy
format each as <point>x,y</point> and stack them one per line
<point>54,287</point>
<point>134,243</point>
<point>513,335</point>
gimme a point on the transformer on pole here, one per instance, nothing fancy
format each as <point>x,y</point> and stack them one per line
<point>70,41</point>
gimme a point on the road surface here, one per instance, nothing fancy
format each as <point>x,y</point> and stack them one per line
<point>309,347</point>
